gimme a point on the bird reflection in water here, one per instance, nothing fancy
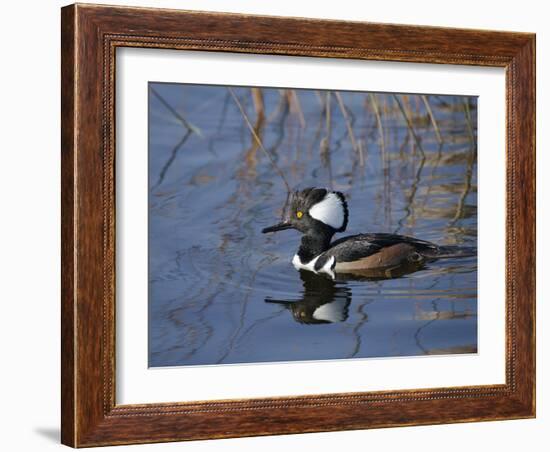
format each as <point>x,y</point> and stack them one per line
<point>323,300</point>
<point>326,300</point>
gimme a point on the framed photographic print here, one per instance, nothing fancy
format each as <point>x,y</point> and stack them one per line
<point>281,225</point>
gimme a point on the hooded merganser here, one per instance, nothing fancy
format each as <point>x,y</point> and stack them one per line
<point>319,213</point>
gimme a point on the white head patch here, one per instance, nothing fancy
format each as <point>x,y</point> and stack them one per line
<point>330,210</point>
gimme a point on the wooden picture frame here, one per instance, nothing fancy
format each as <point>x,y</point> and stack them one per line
<point>90,36</point>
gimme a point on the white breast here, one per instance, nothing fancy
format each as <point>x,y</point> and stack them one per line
<point>327,268</point>
<point>297,262</point>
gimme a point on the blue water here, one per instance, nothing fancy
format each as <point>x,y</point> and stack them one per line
<point>221,292</point>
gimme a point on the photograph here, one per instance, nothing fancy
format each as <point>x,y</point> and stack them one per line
<point>271,223</point>
<point>289,224</point>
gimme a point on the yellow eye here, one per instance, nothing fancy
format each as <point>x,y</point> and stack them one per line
<point>299,214</point>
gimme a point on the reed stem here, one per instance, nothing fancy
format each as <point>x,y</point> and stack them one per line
<point>432,118</point>
<point>258,140</point>
<point>354,145</point>
<point>409,124</point>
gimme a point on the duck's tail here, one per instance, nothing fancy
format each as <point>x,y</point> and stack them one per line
<point>444,252</point>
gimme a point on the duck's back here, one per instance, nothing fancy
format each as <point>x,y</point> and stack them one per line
<point>376,250</point>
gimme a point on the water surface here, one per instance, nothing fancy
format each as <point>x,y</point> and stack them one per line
<point>221,292</point>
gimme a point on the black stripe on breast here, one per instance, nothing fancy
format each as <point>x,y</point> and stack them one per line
<point>323,259</point>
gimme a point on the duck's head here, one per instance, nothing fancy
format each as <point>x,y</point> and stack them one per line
<point>315,210</point>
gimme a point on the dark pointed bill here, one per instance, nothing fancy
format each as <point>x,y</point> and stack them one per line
<point>278,227</point>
